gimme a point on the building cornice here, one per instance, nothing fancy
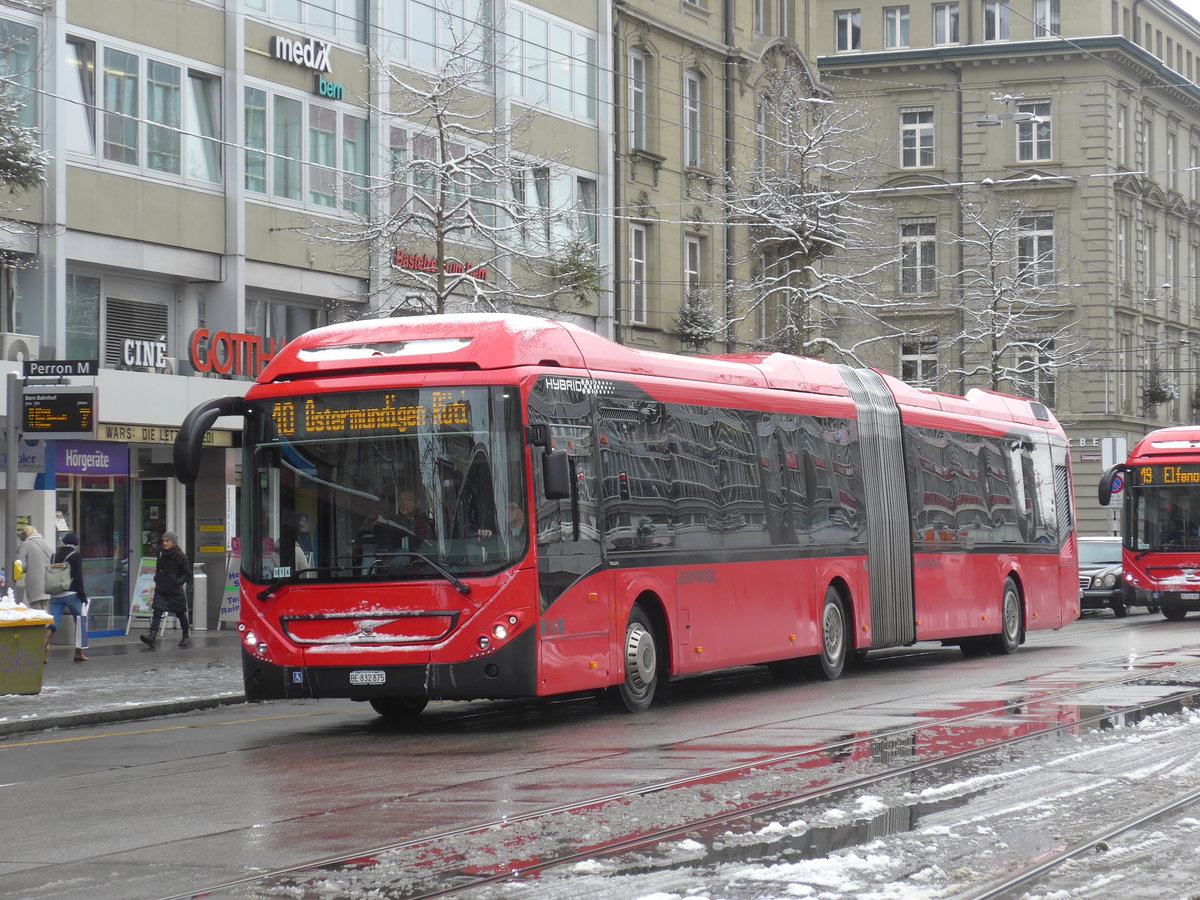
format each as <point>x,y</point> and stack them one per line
<point>1136,59</point>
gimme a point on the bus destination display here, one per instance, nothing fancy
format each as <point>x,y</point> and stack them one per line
<point>373,413</point>
<point>59,412</point>
<point>1165,475</point>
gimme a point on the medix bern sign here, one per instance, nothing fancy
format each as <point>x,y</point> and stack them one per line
<point>228,353</point>
<point>312,54</point>
<point>420,263</point>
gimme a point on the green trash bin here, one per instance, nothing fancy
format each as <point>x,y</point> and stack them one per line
<point>22,651</point>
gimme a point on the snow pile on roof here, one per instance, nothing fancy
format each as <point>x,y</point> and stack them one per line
<point>12,611</point>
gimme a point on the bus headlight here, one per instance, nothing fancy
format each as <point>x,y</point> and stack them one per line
<point>484,642</point>
<point>499,632</point>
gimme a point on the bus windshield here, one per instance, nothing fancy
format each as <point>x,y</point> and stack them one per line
<point>1161,514</point>
<point>393,485</point>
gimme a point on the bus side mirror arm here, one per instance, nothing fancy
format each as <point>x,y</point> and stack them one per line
<point>186,453</point>
<point>1106,480</point>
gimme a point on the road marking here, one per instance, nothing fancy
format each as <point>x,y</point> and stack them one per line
<point>93,737</point>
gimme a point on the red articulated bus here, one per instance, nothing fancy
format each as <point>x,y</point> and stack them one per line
<point>487,506</point>
<point>1160,534</point>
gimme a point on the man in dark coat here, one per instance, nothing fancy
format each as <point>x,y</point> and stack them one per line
<point>172,573</point>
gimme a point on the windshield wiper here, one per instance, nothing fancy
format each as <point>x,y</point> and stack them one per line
<point>460,586</point>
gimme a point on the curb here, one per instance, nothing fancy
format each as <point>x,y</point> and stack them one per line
<point>108,716</point>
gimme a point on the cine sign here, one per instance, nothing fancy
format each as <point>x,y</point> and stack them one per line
<point>59,412</point>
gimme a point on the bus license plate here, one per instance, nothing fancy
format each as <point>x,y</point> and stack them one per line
<point>368,676</point>
<point>1193,596</point>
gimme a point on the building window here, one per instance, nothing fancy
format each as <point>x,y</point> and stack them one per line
<point>996,18</point>
<point>83,317</point>
<point>785,18</point>
<point>919,362</point>
<point>637,101</point>
<point>691,265</point>
<point>1035,249</point>
<point>1194,172</point>
<point>848,29</point>
<point>1035,367</point>
<point>280,322</point>
<point>760,16</point>
<point>895,26</point>
<point>179,106</point>
<point>691,118</point>
<point>1047,18</point>
<point>918,257</point>
<point>945,23</point>
<point>1122,135</point>
<point>318,153</point>
<point>760,133</point>
<point>551,63</point>
<point>346,19</point>
<point>19,68</point>
<point>1172,155</point>
<point>1123,251</point>
<point>1033,137</point>
<point>637,274</point>
<point>916,138</point>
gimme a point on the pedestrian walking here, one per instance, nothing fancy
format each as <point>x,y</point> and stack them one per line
<point>73,600</point>
<point>34,555</point>
<point>172,574</point>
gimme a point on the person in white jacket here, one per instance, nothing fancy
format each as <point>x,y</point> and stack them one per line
<point>34,555</point>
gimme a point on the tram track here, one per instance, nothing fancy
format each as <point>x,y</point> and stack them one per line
<point>440,866</point>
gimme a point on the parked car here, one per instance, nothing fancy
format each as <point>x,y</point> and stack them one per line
<point>1102,577</point>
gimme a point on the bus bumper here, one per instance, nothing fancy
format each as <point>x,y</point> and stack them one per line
<point>510,672</point>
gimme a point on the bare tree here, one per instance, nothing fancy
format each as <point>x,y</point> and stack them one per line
<point>462,219</point>
<point>1016,330</point>
<point>811,240</point>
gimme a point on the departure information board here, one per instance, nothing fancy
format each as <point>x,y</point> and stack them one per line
<point>60,411</point>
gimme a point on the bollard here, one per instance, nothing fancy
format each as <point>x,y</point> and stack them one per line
<point>199,597</point>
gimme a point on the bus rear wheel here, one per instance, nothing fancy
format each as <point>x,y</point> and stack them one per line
<point>1009,638</point>
<point>835,634</point>
<point>639,655</point>
<point>1174,613</point>
<point>399,709</point>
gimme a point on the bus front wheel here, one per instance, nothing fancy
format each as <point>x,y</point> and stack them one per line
<point>399,709</point>
<point>1009,638</point>
<point>835,635</point>
<point>639,653</point>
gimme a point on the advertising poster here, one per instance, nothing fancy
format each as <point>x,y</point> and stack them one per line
<point>231,608</point>
<point>143,590</point>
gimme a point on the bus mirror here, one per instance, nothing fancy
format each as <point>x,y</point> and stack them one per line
<point>186,453</point>
<point>556,475</point>
<point>1106,483</point>
<point>538,435</point>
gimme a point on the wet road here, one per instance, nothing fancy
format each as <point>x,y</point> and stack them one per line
<point>169,806</point>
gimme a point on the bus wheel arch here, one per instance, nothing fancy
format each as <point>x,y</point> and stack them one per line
<point>1012,618</point>
<point>836,624</point>
<point>645,656</point>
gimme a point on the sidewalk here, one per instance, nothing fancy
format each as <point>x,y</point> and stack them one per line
<point>123,680</point>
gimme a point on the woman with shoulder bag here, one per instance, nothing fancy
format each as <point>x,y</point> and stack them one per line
<point>74,598</point>
<point>172,573</point>
<point>34,555</point>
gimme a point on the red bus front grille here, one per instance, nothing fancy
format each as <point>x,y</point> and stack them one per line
<point>379,628</point>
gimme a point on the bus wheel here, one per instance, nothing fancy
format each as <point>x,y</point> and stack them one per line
<point>1174,614</point>
<point>1009,638</point>
<point>640,656</point>
<point>399,709</point>
<point>834,635</point>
